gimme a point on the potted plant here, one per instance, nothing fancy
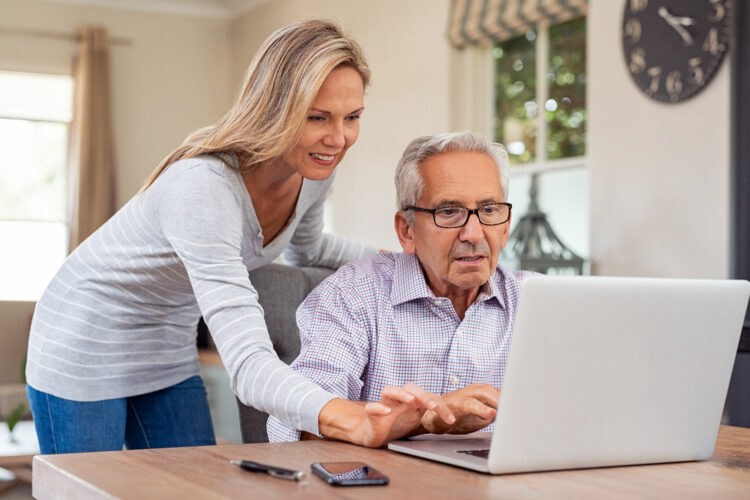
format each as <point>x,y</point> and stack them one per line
<point>15,415</point>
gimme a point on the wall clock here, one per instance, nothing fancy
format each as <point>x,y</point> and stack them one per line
<point>673,48</point>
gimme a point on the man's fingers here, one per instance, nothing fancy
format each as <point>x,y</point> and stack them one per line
<point>377,409</point>
<point>490,398</point>
<point>484,393</point>
<point>397,394</point>
<point>479,400</point>
<point>432,423</point>
<point>479,408</point>
<point>432,402</point>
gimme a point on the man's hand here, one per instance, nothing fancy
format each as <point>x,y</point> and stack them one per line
<point>400,411</point>
<point>375,424</point>
<point>474,406</point>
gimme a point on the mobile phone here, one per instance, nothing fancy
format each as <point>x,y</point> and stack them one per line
<point>348,473</point>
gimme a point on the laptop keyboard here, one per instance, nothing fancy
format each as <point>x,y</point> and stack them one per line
<point>476,453</point>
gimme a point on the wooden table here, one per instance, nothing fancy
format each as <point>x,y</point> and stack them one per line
<point>205,472</point>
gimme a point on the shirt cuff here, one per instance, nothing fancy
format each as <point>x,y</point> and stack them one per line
<point>313,406</point>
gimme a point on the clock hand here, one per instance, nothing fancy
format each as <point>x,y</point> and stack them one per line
<point>676,23</point>
<point>684,20</point>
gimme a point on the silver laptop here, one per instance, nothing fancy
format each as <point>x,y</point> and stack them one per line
<point>607,371</point>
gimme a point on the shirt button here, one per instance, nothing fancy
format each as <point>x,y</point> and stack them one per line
<point>459,333</point>
<point>454,380</point>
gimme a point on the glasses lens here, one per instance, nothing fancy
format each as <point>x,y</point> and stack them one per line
<point>450,216</point>
<point>493,214</point>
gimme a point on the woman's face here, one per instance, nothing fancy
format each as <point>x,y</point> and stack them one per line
<point>332,126</point>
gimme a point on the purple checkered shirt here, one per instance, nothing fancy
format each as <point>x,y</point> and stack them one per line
<point>376,323</point>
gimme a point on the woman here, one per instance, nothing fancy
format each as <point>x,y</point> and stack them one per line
<point>112,357</point>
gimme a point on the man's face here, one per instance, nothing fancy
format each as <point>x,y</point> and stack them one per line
<point>456,260</point>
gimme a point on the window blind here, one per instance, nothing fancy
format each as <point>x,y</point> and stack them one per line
<point>485,22</point>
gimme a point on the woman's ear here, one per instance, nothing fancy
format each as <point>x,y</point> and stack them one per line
<point>405,233</point>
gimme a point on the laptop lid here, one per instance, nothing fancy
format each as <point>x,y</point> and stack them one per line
<point>611,371</point>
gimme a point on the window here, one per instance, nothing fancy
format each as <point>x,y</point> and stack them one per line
<point>35,111</point>
<point>540,116</point>
<point>541,120</point>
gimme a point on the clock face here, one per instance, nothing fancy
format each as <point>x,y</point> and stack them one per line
<point>673,48</point>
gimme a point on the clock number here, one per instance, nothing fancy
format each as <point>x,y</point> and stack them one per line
<point>696,72</point>
<point>633,30</point>
<point>638,5</point>
<point>637,60</point>
<point>711,43</point>
<point>673,84</point>
<point>719,11</point>
<point>655,74</point>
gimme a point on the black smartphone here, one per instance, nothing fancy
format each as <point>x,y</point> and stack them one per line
<point>348,473</point>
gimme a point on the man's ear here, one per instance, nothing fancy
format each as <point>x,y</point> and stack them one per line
<point>405,233</point>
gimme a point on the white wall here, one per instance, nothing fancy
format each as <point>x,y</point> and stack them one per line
<point>659,173</point>
<point>409,56</point>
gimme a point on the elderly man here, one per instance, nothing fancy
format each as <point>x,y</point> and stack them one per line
<point>438,315</point>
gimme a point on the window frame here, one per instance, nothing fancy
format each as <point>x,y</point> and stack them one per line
<point>473,101</point>
<point>541,164</point>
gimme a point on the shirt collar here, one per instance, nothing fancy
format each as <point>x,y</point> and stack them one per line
<point>408,280</point>
<point>409,283</point>
<point>495,289</point>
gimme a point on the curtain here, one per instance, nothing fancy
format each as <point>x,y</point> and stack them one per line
<point>90,159</point>
<point>484,22</point>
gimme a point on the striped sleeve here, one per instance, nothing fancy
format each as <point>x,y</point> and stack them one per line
<point>202,219</point>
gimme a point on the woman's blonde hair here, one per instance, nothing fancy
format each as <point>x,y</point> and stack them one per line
<point>280,85</point>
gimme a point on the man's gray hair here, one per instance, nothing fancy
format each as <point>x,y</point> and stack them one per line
<point>409,182</point>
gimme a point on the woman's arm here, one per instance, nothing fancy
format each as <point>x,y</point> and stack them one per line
<point>201,216</point>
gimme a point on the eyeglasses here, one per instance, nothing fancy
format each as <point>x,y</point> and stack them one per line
<point>492,214</point>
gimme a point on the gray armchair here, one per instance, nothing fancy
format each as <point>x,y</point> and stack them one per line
<point>280,290</point>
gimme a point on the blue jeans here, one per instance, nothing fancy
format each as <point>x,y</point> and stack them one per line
<point>175,416</point>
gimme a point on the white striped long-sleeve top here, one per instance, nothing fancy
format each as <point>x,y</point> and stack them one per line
<point>119,317</point>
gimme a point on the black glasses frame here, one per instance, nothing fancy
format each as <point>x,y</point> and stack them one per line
<point>469,211</point>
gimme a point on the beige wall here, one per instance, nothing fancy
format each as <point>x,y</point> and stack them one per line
<point>409,96</point>
<point>15,318</point>
<point>659,173</point>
